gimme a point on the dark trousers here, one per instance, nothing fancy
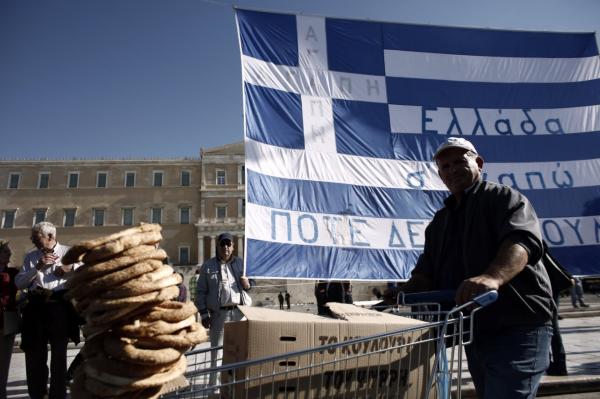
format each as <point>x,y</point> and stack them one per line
<point>510,363</point>
<point>46,323</point>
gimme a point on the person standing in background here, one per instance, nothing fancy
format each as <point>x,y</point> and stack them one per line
<point>287,299</point>
<point>218,294</point>
<point>48,318</point>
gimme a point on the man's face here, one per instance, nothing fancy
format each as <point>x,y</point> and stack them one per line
<point>458,169</point>
<point>225,250</point>
<point>42,242</point>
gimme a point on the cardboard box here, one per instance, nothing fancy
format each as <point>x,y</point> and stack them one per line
<point>397,363</point>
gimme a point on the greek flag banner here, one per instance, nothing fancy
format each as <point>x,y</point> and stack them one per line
<point>342,118</point>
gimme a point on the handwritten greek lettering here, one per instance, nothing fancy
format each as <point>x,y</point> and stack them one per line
<point>318,133</point>
<point>311,34</point>
<point>505,124</point>
<point>511,177</point>
<point>395,236</point>
<point>454,124</point>
<point>479,124</point>
<point>315,229</point>
<point>415,179</point>
<point>346,85</point>
<point>575,228</point>
<point>529,176</point>
<point>565,184</point>
<point>412,234</point>
<point>553,234</point>
<point>331,223</point>
<point>372,84</point>
<point>553,126</point>
<point>356,236</point>
<point>528,125</point>
<point>288,224</point>
<point>425,119</point>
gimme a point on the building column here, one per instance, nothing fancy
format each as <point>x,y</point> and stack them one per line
<point>213,247</point>
<point>240,246</point>
<point>200,249</point>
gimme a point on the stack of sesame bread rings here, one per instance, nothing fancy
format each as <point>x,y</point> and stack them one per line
<point>135,333</point>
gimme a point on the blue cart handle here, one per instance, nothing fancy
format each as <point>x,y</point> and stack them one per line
<point>486,298</point>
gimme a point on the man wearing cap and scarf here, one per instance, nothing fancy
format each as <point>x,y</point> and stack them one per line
<point>219,291</point>
<point>487,237</point>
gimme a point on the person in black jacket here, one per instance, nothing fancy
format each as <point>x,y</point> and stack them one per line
<point>487,237</point>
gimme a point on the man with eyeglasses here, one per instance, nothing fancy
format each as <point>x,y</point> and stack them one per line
<point>219,292</point>
<point>48,317</point>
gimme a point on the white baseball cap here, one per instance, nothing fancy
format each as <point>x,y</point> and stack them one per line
<point>454,142</point>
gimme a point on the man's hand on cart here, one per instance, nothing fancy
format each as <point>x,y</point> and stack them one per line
<point>474,286</point>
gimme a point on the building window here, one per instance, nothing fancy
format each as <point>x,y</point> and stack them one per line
<point>101,179</point>
<point>8,219</point>
<point>156,215</point>
<point>157,179</point>
<point>98,217</point>
<point>243,174</point>
<point>243,207</point>
<point>69,217</point>
<point>184,255</point>
<point>73,180</point>
<point>14,180</point>
<point>39,215</point>
<point>44,180</point>
<point>221,177</point>
<point>221,211</point>
<point>127,216</point>
<point>129,179</point>
<point>185,178</point>
<point>184,215</point>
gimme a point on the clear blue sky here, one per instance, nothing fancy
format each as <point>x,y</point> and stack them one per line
<point>161,78</point>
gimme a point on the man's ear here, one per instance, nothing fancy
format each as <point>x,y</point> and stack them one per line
<point>479,161</point>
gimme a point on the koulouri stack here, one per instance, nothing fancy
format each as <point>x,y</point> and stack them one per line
<point>136,334</point>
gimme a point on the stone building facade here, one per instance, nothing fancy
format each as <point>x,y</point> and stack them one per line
<point>91,198</point>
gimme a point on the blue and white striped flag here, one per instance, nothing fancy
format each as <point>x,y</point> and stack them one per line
<point>342,118</point>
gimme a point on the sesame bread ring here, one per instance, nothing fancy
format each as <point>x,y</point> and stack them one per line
<point>161,295</point>
<point>115,278</point>
<point>88,272</point>
<point>171,311</point>
<point>96,318</point>
<point>176,340</point>
<point>76,252</point>
<point>149,329</point>
<point>112,248</point>
<point>148,282</point>
<point>180,340</point>
<point>196,334</point>
<point>153,380</point>
<point>118,367</point>
<point>124,349</point>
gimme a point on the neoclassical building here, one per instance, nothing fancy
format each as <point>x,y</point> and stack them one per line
<point>194,199</point>
<point>222,198</point>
